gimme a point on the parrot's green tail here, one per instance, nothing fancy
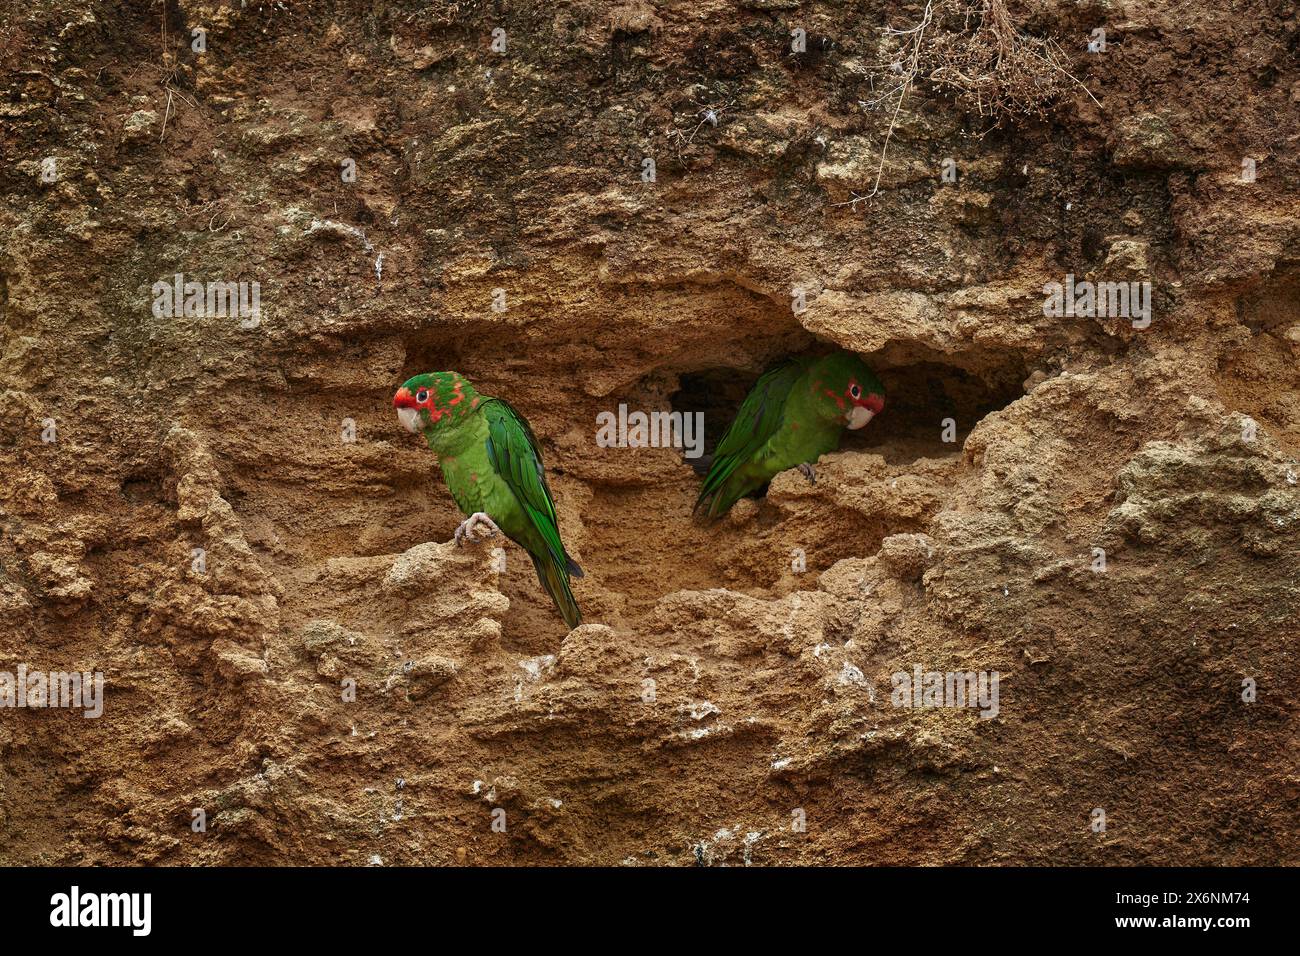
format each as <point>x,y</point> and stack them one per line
<point>721,498</point>
<point>556,581</point>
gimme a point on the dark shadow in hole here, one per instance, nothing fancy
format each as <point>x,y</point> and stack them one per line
<point>430,352</point>
<point>717,393</point>
<point>1272,302</point>
<point>139,488</point>
<point>921,397</point>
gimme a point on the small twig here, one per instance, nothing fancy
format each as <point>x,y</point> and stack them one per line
<point>1057,66</point>
<point>852,202</point>
<point>167,112</point>
<point>185,99</point>
<point>909,79</point>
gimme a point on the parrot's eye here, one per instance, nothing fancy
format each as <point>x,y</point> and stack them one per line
<point>855,391</point>
<point>422,396</point>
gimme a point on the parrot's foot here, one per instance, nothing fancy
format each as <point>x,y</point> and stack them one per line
<point>808,472</point>
<point>477,527</point>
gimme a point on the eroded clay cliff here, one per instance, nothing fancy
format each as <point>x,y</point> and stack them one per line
<point>503,222</point>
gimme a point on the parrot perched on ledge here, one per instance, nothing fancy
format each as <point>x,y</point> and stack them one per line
<point>794,414</point>
<point>494,471</point>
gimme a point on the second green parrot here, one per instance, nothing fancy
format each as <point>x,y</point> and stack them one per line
<point>492,466</point>
<point>795,413</point>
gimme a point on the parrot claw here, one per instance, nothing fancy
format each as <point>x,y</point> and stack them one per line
<point>808,472</point>
<point>477,527</point>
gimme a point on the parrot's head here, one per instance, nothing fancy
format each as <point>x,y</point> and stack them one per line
<point>434,400</point>
<point>845,388</point>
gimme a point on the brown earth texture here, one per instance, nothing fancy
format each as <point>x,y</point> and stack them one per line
<point>579,205</point>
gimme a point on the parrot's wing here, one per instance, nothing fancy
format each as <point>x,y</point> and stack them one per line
<point>757,420</point>
<point>512,450</point>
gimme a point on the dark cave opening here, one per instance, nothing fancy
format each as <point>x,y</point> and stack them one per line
<point>932,401</point>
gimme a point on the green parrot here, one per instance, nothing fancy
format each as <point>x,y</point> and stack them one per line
<point>492,466</point>
<point>794,414</point>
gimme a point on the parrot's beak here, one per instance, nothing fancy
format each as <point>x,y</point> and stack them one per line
<point>410,419</point>
<point>858,416</point>
<point>407,412</point>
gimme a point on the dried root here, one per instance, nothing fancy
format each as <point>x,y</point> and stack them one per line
<point>975,50</point>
